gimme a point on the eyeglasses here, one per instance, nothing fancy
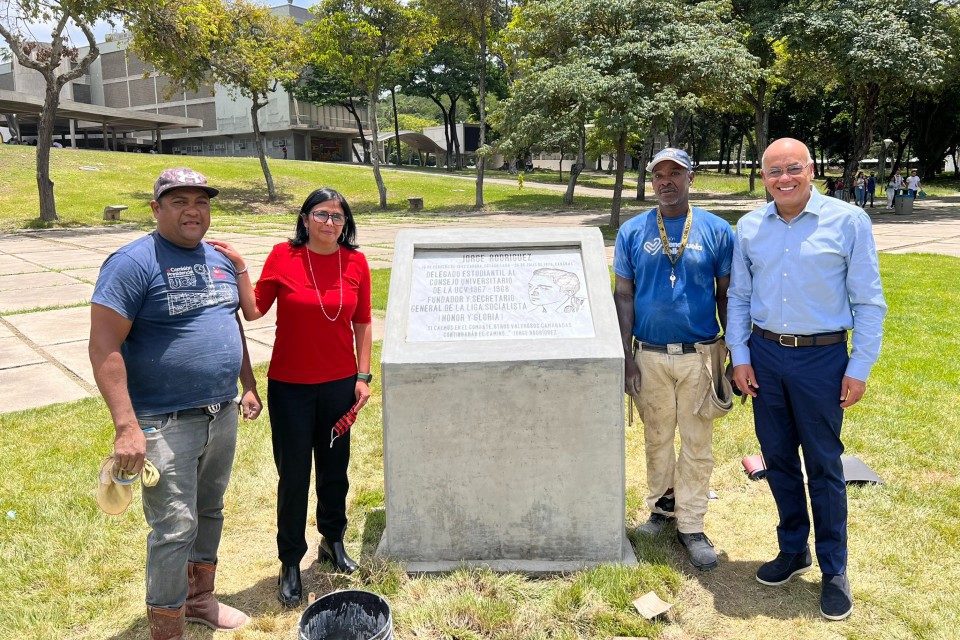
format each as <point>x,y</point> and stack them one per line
<point>323,216</point>
<point>792,170</point>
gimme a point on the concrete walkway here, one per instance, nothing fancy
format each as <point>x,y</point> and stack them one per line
<point>47,277</point>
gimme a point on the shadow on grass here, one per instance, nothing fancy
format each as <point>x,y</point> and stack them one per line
<point>249,199</point>
<point>736,592</point>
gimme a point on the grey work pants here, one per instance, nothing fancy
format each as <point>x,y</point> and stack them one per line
<point>193,451</point>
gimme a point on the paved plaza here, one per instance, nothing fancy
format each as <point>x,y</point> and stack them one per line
<point>47,278</point>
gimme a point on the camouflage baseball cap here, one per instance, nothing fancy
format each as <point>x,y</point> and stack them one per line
<point>676,155</point>
<point>178,178</point>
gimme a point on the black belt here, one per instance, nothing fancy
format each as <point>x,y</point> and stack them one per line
<point>814,340</point>
<point>209,410</point>
<point>674,348</point>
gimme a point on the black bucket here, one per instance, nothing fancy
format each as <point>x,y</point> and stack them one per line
<point>347,615</point>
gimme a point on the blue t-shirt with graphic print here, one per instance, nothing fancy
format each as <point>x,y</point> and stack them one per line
<point>184,348</point>
<point>686,312</point>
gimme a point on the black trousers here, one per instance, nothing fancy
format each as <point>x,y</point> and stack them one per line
<point>301,417</point>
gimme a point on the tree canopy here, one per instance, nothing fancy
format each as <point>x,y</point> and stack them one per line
<point>239,44</point>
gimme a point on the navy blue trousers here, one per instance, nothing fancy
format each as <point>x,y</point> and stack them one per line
<point>798,407</point>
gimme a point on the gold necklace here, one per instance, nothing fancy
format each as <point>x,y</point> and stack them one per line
<point>316,289</point>
<point>674,257</point>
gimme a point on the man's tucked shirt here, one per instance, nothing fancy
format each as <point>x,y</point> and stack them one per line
<point>817,273</point>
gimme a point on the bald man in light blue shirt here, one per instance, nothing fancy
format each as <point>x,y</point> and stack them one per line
<point>805,272</point>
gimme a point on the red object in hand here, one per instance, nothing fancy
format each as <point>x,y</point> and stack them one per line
<point>344,423</point>
<point>755,467</point>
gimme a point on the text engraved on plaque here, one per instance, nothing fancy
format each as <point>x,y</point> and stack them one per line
<point>526,293</point>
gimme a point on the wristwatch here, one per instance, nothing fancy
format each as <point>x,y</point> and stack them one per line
<point>365,377</point>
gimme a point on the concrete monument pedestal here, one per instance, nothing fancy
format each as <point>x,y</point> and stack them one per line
<point>503,403</point>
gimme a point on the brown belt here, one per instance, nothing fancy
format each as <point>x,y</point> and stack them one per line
<point>814,340</point>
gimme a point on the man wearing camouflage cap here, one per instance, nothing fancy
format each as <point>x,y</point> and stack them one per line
<point>167,348</point>
<point>672,266</point>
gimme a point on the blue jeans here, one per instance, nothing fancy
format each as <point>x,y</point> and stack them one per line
<point>861,196</point>
<point>798,407</point>
<point>193,451</point>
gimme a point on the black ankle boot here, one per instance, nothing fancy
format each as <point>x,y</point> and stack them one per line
<point>289,589</point>
<point>337,555</point>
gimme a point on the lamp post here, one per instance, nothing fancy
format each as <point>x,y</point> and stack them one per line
<point>883,161</point>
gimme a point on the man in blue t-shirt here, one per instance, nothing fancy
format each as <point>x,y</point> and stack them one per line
<point>672,267</point>
<point>167,347</point>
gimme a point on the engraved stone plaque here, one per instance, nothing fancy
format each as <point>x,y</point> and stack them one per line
<point>526,293</point>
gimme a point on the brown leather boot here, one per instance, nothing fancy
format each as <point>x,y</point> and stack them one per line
<point>165,624</point>
<point>201,604</point>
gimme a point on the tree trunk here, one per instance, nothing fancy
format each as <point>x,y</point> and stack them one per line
<point>739,156</point>
<point>352,108</point>
<point>261,149</point>
<point>863,136</point>
<point>48,206</point>
<point>724,138</point>
<point>753,165</point>
<point>375,147</point>
<point>446,131</point>
<point>645,154</point>
<point>482,105</point>
<point>618,183</point>
<point>457,148</point>
<point>577,167</point>
<point>396,123</point>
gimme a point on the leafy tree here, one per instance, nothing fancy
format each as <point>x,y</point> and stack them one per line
<point>760,26</point>
<point>239,44</point>
<point>58,62</point>
<point>446,71</point>
<point>549,108</point>
<point>643,60</point>
<point>321,86</point>
<point>369,43</point>
<point>474,23</point>
<point>867,47</point>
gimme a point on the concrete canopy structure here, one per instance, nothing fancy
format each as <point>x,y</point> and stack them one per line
<point>74,117</point>
<point>27,107</point>
<point>415,139</point>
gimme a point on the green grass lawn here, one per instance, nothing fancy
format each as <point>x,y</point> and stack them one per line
<point>68,571</point>
<point>86,181</point>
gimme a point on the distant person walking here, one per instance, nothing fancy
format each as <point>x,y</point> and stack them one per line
<point>894,185</point>
<point>831,187</point>
<point>871,188</point>
<point>860,189</point>
<point>913,184</point>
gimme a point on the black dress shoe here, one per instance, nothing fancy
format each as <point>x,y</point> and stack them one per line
<point>337,555</point>
<point>836,601</point>
<point>289,589</point>
<point>784,567</point>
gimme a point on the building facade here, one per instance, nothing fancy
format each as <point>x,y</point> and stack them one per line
<point>119,79</point>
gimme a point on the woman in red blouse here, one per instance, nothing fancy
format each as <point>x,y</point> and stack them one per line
<point>320,369</point>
